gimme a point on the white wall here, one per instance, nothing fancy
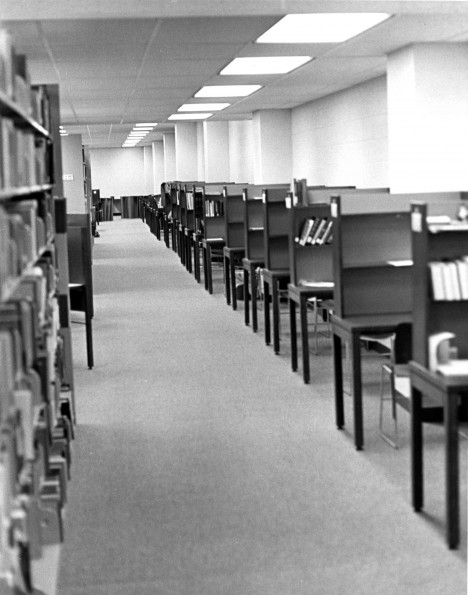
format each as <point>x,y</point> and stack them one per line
<point>272,146</point>
<point>200,152</point>
<point>428,117</point>
<point>170,172</point>
<point>342,138</point>
<point>186,151</point>
<point>216,147</point>
<point>158,166</point>
<point>118,172</point>
<point>148,165</point>
<point>72,162</point>
<point>241,151</point>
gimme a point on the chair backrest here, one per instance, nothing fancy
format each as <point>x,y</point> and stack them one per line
<point>403,343</point>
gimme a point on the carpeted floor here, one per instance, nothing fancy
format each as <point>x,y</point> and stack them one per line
<point>204,466</point>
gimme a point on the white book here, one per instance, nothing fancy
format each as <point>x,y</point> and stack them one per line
<point>448,282</point>
<point>438,288</point>
<point>455,283</point>
<point>319,231</point>
<point>462,268</point>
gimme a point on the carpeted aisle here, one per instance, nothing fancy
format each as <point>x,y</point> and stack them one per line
<point>203,466</point>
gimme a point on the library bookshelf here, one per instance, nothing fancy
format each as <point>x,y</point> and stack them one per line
<point>37,412</point>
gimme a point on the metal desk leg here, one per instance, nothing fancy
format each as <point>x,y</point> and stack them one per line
<point>266,311</point>
<point>338,371</point>
<point>305,340</point>
<point>227,279</point>
<point>276,321</point>
<point>417,459</point>
<point>451,469</point>
<point>232,271</point>
<point>246,297</point>
<point>196,259</point>
<point>253,285</point>
<point>205,266</point>
<point>357,391</point>
<point>292,326</point>
<point>209,270</point>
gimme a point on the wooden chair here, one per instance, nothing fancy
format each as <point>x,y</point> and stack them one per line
<point>80,280</point>
<point>398,372</point>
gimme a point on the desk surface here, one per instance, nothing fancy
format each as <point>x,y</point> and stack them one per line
<point>308,290</point>
<point>437,381</point>
<point>372,322</point>
<point>269,273</point>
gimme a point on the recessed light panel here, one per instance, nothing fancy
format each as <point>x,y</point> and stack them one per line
<point>193,116</point>
<point>265,65</point>
<point>150,124</point>
<point>227,90</point>
<point>202,107</point>
<point>320,28</point>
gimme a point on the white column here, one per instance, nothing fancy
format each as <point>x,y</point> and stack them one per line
<point>272,135</point>
<point>200,152</point>
<point>169,158</point>
<point>148,168</point>
<point>158,165</point>
<point>428,117</point>
<point>186,151</point>
<point>216,146</point>
<point>241,151</point>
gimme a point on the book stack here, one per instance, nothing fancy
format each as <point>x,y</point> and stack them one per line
<point>189,201</point>
<point>23,159</point>
<point>214,208</point>
<point>316,231</point>
<point>449,279</point>
<point>198,202</point>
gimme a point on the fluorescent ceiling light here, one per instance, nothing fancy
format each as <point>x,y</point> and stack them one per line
<point>320,27</point>
<point>227,90</point>
<point>140,128</point>
<point>193,116</point>
<point>139,134</point>
<point>152,124</point>
<point>265,65</point>
<point>201,107</point>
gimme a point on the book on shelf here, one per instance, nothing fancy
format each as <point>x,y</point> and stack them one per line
<point>449,279</point>
<point>315,231</point>
<point>306,229</point>
<point>6,63</point>
<point>214,208</point>
<point>189,201</point>
<point>315,238</point>
<point>327,234</point>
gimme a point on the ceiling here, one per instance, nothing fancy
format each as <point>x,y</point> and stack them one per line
<point>118,63</point>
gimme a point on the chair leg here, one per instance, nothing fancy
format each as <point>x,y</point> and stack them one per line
<point>392,442</point>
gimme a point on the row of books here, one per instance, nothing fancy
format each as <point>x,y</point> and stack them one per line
<point>15,80</point>
<point>32,470</point>
<point>24,158</point>
<point>194,201</point>
<point>449,279</point>
<point>214,208</point>
<point>23,235</point>
<point>316,230</point>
